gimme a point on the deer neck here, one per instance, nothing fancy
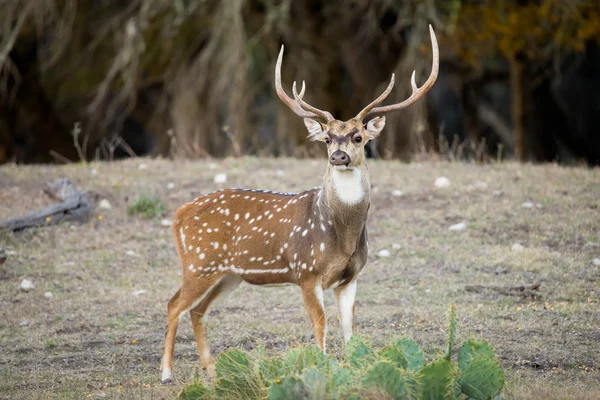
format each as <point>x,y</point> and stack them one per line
<point>344,202</point>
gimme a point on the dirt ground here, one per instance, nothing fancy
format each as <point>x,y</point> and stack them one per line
<point>98,337</point>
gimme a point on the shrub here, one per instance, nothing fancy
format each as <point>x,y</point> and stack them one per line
<point>397,371</point>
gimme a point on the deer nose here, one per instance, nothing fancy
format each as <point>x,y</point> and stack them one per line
<point>339,158</point>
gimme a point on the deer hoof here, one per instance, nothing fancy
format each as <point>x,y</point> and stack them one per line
<point>166,377</point>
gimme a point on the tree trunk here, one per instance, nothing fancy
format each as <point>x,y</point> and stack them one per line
<point>517,88</point>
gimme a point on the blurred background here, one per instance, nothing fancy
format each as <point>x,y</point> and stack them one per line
<point>106,79</point>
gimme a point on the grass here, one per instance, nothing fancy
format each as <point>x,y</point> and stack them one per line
<point>548,346</point>
<point>146,206</point>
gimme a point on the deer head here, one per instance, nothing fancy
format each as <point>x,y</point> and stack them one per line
<point>346,140</point>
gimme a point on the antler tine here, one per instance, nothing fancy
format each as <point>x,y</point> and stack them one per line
<point>325,114</point>
<point>378,100</point>
<point>295,105</point>
<point>417,92</point>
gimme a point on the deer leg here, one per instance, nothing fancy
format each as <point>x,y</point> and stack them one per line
<point>199,315</point>
<point>345,297</point>
<point>313,300</point>
<point>186,298</point>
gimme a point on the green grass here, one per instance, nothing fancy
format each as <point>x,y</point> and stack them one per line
<point>148,207</point>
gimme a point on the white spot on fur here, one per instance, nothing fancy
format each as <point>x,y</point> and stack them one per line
<point>182,239</point>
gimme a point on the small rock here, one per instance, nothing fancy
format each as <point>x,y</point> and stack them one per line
<point>25,322</point>
<point>139,292</point>
<point>538,205</point>
<point>497,193</point>
<point>480,185</point>
<point>461,226</point>
<point>94,171</point>
<point>517,247</point>
<point>166,222</point>
<point>130,253</point>
<point>527,204</point>
<point>27,285</point>
<point>105,204</point>
<point>220,178</point>
<point>397,193</point>
<point>48,295</point>
<point>455,269</point>
<point>11,253</point>
<point>396,246</point>
<point>143,166</point>
<point>170,185</point>
<point>279,172</point>
<point>442,182</point>
<point>427,290</point>
<point>479,305</point>
<point>384,253</point>
<point>596,261</point>
<point>212,166</point>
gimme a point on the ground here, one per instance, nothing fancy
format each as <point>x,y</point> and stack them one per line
<point>95,338</point>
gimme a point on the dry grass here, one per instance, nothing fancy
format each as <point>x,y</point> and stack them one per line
<point>95,339</point>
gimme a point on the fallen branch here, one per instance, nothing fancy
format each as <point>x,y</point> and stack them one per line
<point>525,290</point>
<point>74,207</point>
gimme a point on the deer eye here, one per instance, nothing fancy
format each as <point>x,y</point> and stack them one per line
<point>327,140</point>
<point>357,139</point>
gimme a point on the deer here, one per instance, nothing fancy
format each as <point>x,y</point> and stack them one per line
<point>316,239</point>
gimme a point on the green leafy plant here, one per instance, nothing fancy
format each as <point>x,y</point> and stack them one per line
<point>148,207</point>
<point>398,371</point>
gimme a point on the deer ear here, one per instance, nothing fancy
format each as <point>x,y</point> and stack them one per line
<point>375,126</point>
<point>315,129</point>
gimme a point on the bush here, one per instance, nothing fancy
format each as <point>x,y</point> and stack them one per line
<point>397,371</point>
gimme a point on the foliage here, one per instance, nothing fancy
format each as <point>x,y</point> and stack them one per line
<point>398,371</point>
<point>505,28</point>
<point>148,207</point>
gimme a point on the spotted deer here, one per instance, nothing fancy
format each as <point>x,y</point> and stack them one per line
<point>316,239</point>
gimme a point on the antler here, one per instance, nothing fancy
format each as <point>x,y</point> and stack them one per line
<point>417,92</point>
<point>299,106</point>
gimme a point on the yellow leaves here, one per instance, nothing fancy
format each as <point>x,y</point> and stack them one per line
<point>507,28</point>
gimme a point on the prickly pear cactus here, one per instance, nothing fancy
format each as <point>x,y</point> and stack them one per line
<point>237,376</point>
<point>299,359</point>
<point>472,349</point>
<point>483,379</point>
<point>288,388</point>
<point>405,354</point>
<point>341,377</point>
<point>437,380</point>
<point>195,391</point>
<point>316,384</point>
<point>271,369</point>
<point>389,380</point>
<point>451,332</point>
<point>358,352</point>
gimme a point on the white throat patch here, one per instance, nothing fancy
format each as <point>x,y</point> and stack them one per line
<point>348,185</point>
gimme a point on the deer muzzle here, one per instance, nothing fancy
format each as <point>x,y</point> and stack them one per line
<point>340,157</point>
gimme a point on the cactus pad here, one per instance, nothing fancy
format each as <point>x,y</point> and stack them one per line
<point>472,349</point>
<point>437,380</point>
<point>482,379</point>
<point>358,352</point>
<point>385,377</point>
